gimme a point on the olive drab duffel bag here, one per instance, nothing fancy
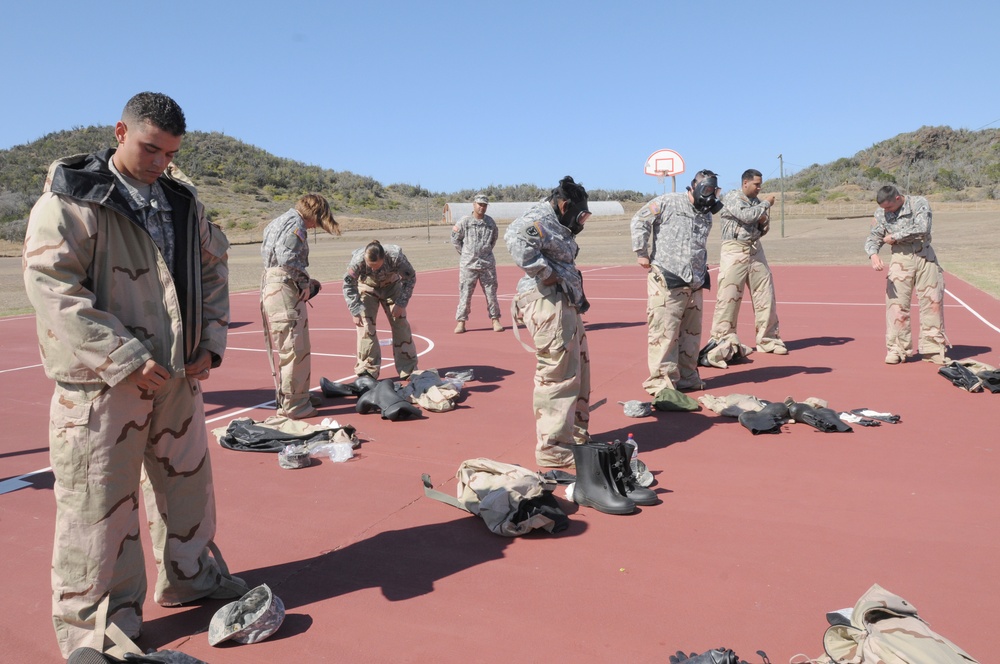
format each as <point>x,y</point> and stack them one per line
<point>511,500</point>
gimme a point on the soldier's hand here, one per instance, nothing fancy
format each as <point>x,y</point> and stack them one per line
<point>888,239</point>
<point>877,263</point>
<point>149,377</point>
<point>643,262</point>
<point>200,366</point>
<point>359,321</point>
<point>769,199</point>
<point>397,311</point>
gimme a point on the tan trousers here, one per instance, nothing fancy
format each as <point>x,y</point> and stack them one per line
<point>104,443</point>
<point>286,320</point>
<point>913,269</point>
<point>673,317</point>
<point>743,263</point>
<point>561,396</point>
<point>404,352</point>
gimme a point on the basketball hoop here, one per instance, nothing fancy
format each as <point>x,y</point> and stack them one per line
<point>663,163</point>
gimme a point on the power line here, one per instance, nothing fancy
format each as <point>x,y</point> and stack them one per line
<point>987,125</point>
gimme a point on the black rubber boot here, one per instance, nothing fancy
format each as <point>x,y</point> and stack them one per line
<point>331,389</point>
<point>621,472</point>
<point>383,397</point>
<point>594,486</point>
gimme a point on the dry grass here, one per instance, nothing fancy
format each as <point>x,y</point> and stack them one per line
<point>965,238</point>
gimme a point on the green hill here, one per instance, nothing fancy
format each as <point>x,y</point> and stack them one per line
<point>243,187</point>
<point>938,162</point>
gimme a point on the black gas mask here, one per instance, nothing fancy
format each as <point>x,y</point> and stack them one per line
<point>704,192</point>
<point>574,217</point>
<point>576,212</point>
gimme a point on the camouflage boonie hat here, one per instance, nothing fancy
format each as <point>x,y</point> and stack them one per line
<point>252,618</point>
<point>481,198</point>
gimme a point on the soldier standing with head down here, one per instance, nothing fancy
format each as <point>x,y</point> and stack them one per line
<point>668,237</point>
<point>550,301</point>
<point>376,277</point>
<point>745,219</point>
<point>284,291</point>
<point>129,285</point>
<point>474,237</point>
<point>904,223</point>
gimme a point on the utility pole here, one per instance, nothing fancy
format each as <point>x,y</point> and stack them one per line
<point>781,168</point>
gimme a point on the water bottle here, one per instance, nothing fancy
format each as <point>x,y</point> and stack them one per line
<point>634,446</point>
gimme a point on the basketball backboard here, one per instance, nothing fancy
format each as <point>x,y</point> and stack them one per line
<point>664,162</point>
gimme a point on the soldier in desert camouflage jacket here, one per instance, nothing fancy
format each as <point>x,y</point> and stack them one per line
<point>745,219</point>
<point>474,237</point>
<point>381,276</point>
<point>285,288</point>
<point>904,223</point>
<point>676,225</point>
<point>550,302</point>
<point>129,285</point>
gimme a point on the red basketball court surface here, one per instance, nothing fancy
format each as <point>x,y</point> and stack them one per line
<point>756,539</point>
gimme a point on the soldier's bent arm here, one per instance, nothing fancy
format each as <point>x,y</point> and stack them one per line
<point>351,294</point>
<point>408,279</point>
<point>58,250</point>
<point>214,288</point>
<point>740,209</point>
<point>876,237</point>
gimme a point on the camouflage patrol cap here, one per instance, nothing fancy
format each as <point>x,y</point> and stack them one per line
<point>481,198</point>
<point>252,618</point>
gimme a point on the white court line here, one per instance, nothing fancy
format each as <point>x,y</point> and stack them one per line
<point>386,363</point>
<point>973,311</point>
<point>30,366</point>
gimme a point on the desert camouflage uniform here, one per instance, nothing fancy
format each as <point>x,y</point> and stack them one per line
<point>742,262</point>
<point>285,251</point>
<point>474,239</point>
<point>912,268</point>
<point>365,290</point>
<point>106,301</point>
<point>541,246</point>
<point>678,272</point>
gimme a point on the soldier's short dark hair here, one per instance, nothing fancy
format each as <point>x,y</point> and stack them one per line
<point>157,109</point>
<point>750,174</point>
<point>374,251</point>
<point>568,190</point>
<point>701,175</point>
<point>887,193</point>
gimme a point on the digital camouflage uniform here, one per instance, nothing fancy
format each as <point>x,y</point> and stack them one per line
<point>474,239</point>
<point>285,251</point>
<point>913,269</point>
<point>677,234</point>
<point>365,291</point>
<point>742,262</point>
<point>107,299</point>
<point>541,246</point>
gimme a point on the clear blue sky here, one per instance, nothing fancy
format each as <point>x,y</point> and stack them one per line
<point>461,95</point>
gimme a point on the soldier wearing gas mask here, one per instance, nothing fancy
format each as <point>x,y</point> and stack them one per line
<point>550,302</point>
<point>668,237</point>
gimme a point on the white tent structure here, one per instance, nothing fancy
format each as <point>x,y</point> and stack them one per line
<point>510,211</point>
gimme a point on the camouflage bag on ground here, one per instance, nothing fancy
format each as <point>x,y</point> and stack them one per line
<point>884,628</point>
<point>511,500</point>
